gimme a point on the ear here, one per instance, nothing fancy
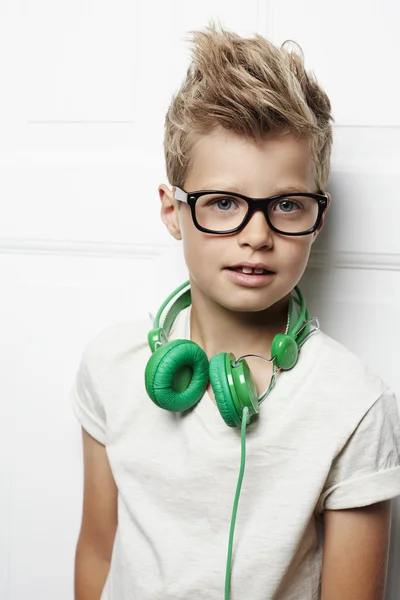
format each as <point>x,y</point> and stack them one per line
<point>169,211</point>
<point>315,234</point>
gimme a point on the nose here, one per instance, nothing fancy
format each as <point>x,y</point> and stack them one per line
<point>257,233</point>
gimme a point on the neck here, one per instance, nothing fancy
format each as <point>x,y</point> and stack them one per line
<point>218,329</point>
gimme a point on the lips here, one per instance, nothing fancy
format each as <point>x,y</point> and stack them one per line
<point>253,266</point>
<point>249,280</point>
<point>248,271</point>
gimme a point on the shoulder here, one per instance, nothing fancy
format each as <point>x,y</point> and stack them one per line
<point>341,367</point>
<point>341,385</point>
<point>116,342</point>
<point>111,364</point>
<point>341,401</point>
<point>121,350</point>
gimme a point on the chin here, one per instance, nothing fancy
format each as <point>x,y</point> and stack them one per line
<point>252,307</point>
<point>250,301</point>
<point>253,299</point>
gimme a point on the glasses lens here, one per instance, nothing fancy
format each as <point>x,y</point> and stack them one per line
<point>294,214</point>
<point>222,212</point>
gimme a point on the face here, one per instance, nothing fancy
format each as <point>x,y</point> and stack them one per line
<point>224,160</point>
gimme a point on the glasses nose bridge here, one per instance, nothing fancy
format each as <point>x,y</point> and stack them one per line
<point>255,205</point>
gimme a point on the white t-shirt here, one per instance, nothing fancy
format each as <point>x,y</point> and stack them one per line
<point>327,436</point>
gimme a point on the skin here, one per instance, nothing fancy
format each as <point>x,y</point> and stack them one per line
<point>225,316</point>
<point>355,556</point>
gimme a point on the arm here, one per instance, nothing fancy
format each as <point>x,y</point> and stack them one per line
<point>356,543</point>
<point>99,522</point>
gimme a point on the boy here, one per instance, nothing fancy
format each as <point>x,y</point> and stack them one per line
<point>323,453</point>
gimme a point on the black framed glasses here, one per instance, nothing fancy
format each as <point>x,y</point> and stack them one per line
<point>220,212</point>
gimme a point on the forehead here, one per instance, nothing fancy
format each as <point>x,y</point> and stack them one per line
<point>257,167</point>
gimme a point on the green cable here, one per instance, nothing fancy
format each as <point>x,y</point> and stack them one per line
<point>245,415</point>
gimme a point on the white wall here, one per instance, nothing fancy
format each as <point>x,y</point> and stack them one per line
<point>84,89</point>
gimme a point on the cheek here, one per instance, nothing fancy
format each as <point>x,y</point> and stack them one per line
<point>203,254</point>
<point>199,248</point>
<point>296,253</point>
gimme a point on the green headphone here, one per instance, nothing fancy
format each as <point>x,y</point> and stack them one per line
<point>177,373</point>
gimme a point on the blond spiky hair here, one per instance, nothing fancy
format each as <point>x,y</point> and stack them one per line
<point>252,87</point>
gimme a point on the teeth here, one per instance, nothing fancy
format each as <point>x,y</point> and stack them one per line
<point>249,271</point>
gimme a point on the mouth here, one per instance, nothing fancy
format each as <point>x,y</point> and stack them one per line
<point>251,271</point>
<point>248,277</point>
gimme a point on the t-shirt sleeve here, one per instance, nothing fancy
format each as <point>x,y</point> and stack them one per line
<point>85,397</point>
<point>367,470</point>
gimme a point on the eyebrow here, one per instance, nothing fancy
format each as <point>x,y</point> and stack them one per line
<point>232,188</point>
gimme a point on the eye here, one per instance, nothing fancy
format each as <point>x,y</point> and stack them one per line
<point>222,203</point>
<point>287,203</point>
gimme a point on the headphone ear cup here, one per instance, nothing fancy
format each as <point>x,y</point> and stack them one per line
<point>286,351</point>
<point>176,375</point>
<point>222,393</point>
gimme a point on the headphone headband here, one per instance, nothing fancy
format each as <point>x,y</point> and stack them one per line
<point>181,298</point>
